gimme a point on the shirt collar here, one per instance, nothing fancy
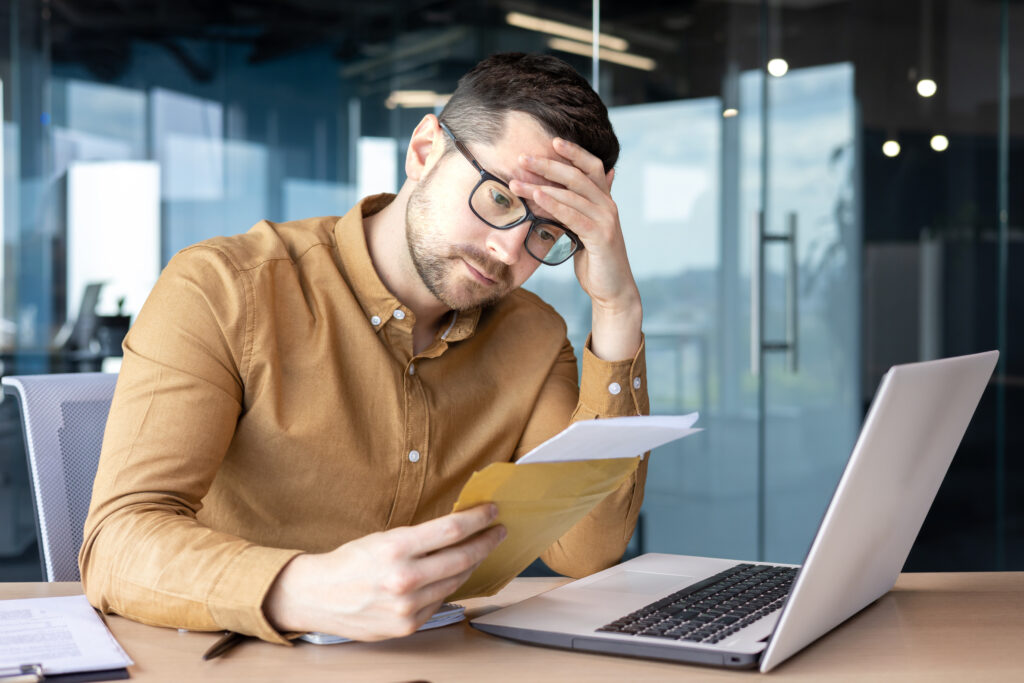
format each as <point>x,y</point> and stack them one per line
<point>377,302</point>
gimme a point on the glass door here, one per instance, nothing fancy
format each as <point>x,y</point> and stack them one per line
<point>738,195</point>
<point>806,287</point>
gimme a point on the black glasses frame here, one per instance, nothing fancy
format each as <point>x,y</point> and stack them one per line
<point>535,220</point>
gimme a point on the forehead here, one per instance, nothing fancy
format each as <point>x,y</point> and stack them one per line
<point>521,135</point>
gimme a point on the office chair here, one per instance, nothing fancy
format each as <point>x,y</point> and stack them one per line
<point>63,418</point>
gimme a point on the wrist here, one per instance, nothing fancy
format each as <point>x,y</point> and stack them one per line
<point>616,334</point>
<point>281,606</point>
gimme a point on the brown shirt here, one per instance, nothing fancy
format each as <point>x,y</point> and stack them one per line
<point>270,403</point>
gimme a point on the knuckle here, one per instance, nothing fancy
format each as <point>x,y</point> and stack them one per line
<point>390,550</point>
<point>404,608</point>
<point>400,582</point>
<point>450,531</point>
<point>472,555</point>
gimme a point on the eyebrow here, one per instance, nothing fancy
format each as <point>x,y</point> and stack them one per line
<point>500,175</point>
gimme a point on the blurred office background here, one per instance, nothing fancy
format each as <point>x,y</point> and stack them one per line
<point>811,191</point>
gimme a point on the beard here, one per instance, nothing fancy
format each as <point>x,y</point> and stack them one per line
<point>438,262</point>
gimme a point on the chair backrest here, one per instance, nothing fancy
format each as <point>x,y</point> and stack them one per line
<point>63,418</point>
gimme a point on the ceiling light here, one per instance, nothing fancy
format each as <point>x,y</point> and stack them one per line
<point>940,143</point>
<point>891,148</point>
<point>730,112</point>
<point>416,99</point>
<point>624,58</point>
<point>557,28</point>
<point>778,67</point>
<point>926,87</point>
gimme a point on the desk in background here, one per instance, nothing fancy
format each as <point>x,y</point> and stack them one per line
<point>931,627</point>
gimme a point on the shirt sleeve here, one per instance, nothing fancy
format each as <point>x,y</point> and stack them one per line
<point>178,398</point>
<point>607,389</point>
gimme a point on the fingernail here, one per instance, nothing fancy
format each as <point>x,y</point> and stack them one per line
<point>502,533</point>
<point>494,511</point>
<point>526,158</point>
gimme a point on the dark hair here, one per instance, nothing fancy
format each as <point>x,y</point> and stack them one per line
<point>546,88</point>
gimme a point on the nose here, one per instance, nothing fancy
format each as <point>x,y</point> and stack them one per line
<point>507,245</point>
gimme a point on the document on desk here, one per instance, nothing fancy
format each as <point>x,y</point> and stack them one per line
<point>548,490</point>
<point>63,634</point>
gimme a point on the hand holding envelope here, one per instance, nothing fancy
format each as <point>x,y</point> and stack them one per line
<point>555,485</point>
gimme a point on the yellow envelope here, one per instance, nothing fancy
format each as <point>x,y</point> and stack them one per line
<point>537,503</point>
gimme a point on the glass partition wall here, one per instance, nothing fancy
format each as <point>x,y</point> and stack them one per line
<point>811,191</point>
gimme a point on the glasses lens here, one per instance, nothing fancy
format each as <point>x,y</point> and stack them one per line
<point>549,243</point>
<point>496,204</point>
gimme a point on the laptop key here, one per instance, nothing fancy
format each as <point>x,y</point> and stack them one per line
<point>739,595</point>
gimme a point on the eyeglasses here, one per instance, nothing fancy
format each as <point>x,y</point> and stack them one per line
<point>494,203</point>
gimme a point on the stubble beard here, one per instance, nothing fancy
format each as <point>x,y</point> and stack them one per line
<point>435,261</point>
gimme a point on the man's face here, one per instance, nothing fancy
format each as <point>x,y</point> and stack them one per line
<point>462,261</point>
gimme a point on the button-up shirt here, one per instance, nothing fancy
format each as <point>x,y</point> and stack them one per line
<point>270,403</point>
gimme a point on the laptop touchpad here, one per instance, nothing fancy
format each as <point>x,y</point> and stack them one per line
<point>639,582</point>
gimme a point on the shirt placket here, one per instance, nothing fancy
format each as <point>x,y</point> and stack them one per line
<point>415,446</point>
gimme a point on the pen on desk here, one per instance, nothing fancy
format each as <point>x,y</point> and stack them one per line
<point>225,643</point>
<point>30,673</point>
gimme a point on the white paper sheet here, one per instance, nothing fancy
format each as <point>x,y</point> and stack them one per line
<point>614,437</point>
<point>63,634</point>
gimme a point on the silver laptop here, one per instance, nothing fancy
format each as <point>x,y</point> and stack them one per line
<point>746,614</point>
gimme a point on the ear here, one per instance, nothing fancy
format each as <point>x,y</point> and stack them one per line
<point>609,177</point>
<point>426,147</point>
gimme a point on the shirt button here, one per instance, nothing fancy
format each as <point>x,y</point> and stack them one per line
<point>400,314</point>
<point>414,456</point>
<point>636,382</point>
<point>375,320</point>
<point>412,369</point>
<point>614,388</point>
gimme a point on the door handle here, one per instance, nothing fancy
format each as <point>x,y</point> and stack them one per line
<point>792,297</point>
<point>791,344</point>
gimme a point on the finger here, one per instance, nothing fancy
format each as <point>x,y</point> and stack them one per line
<point>446,531</point>
<point>438,591</point>
<point>460,557</point>
<point>433,594</point>
<point>457,560</point>
<point>580,157</point>
<point>558,172</point>
<point>564,213</point>
<point>584,207</point>
<point>423,616</point>
<point>566,175</point>
<point>521,174</point>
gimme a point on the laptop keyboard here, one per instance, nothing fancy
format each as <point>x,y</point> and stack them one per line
<point>713,609</point>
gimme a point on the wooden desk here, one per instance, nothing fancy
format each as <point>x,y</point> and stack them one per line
<point>931,627</point>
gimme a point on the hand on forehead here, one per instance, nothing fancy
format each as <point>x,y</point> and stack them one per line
<point>526,176</point>
<point>525,137</point>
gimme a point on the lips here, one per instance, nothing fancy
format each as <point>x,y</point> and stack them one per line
<point>479,274</point>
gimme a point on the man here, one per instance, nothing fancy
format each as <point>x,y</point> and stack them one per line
<point>300,405</point>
